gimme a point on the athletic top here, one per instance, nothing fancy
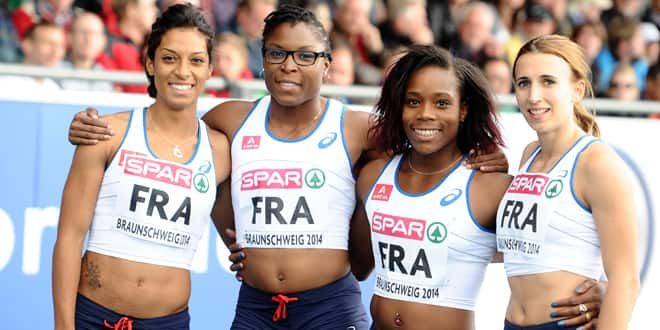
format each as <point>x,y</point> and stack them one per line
<point>292,193</point>
<point>152,210</point>
<point>542,226</point>
<point>428,247</point>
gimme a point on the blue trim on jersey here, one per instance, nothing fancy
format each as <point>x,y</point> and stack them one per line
<point>469,206</point>
<point>396,179</point>
<point>325,111</point>
<point>146,140</point>
<point>343,137</point>
<point>373,185</point>
<point>584,207</point>
<point>254,106</point>
<point>123,138</point>
<point>562,156</point>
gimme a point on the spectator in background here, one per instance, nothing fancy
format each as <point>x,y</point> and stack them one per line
<point>652,91</point>
<point>623,85</point>
<point>87,40</point>
<point>134,19</point>
<point>249,23</point>
<point>321,9</point>
<point>652,13</point>
<point>622,10</point>
<point>341,71</point>
<point>43,45</point>
<point>582,11</point>
<point>353,27</point>
<point>506,10</point>
<point>498,73</point>
<point>591,36</point>
<point>625,45</point>
<point>475,23</point>
<point>651,37</point>
<point>9,45</point>
<point>536,20</point>
<point>406,24</point>
<point>230,61</point>
<point>559,12</point>
<point>57,12</point>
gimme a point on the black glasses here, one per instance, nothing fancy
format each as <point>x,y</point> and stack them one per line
<point>300,57</point>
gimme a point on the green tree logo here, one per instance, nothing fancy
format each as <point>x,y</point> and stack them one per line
<point>436,232</point>
<point>315,178</point>
<point>201,183</point>
<point>554,188</point>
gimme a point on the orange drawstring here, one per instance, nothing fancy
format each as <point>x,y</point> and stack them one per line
<point>123,323</point>
<point>280,311</point>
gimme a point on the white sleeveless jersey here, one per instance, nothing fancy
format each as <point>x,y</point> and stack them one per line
<point>542,227</point>
<point>151,210</point>
<point>292,193</point>
<point>428,247</point>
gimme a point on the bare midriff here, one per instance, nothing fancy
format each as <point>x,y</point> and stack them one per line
<point>132,288</point>
<point>396,314</point>
<point>532,296</point>
<point>293,270</point>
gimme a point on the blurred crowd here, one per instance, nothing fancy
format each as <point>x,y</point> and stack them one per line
<point>621,38</point>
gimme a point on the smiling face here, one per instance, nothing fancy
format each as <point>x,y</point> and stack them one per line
<point>289,83</point>
<point>180,68</point>
<point>545,90</point>
<point>432,110</point>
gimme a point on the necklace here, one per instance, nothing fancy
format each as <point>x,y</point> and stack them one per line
<point>434,172</point>
<point>176,150</point>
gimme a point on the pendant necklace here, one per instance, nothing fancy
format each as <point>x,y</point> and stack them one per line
<point>176,150</point>
<point>434,172</point>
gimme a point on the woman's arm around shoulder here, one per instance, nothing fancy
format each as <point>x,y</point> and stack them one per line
<point>78,203</point>
<point>228,116</point>
<point>602,181</point>
<point>486,192</point>
<point>359,243</point>
<point>221,154</point>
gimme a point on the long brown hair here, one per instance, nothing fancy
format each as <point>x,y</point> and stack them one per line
<point>573,55</point>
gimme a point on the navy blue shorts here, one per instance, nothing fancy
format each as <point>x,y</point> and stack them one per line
<point>92,316</point>
<point>545,326</point>
<point>337,305</point>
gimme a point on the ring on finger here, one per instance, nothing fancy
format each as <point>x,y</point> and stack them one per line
<point>583,308</point>
<point>587,315</point>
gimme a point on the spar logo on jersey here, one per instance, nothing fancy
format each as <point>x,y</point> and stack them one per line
<point>393,225</point>
<point>530,184</point>
<point>169,173</point>
<point>382,192</point>
<point>251,142</point>
<point>124,153</point>
<point>280,178</point>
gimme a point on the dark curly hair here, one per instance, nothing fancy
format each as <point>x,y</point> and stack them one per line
<point>479,130</point>
<point>293,15</point>
<point>176,16</point>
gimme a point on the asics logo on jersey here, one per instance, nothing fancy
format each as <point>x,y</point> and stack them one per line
<point>451,197</point>
<point>327,140</point>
